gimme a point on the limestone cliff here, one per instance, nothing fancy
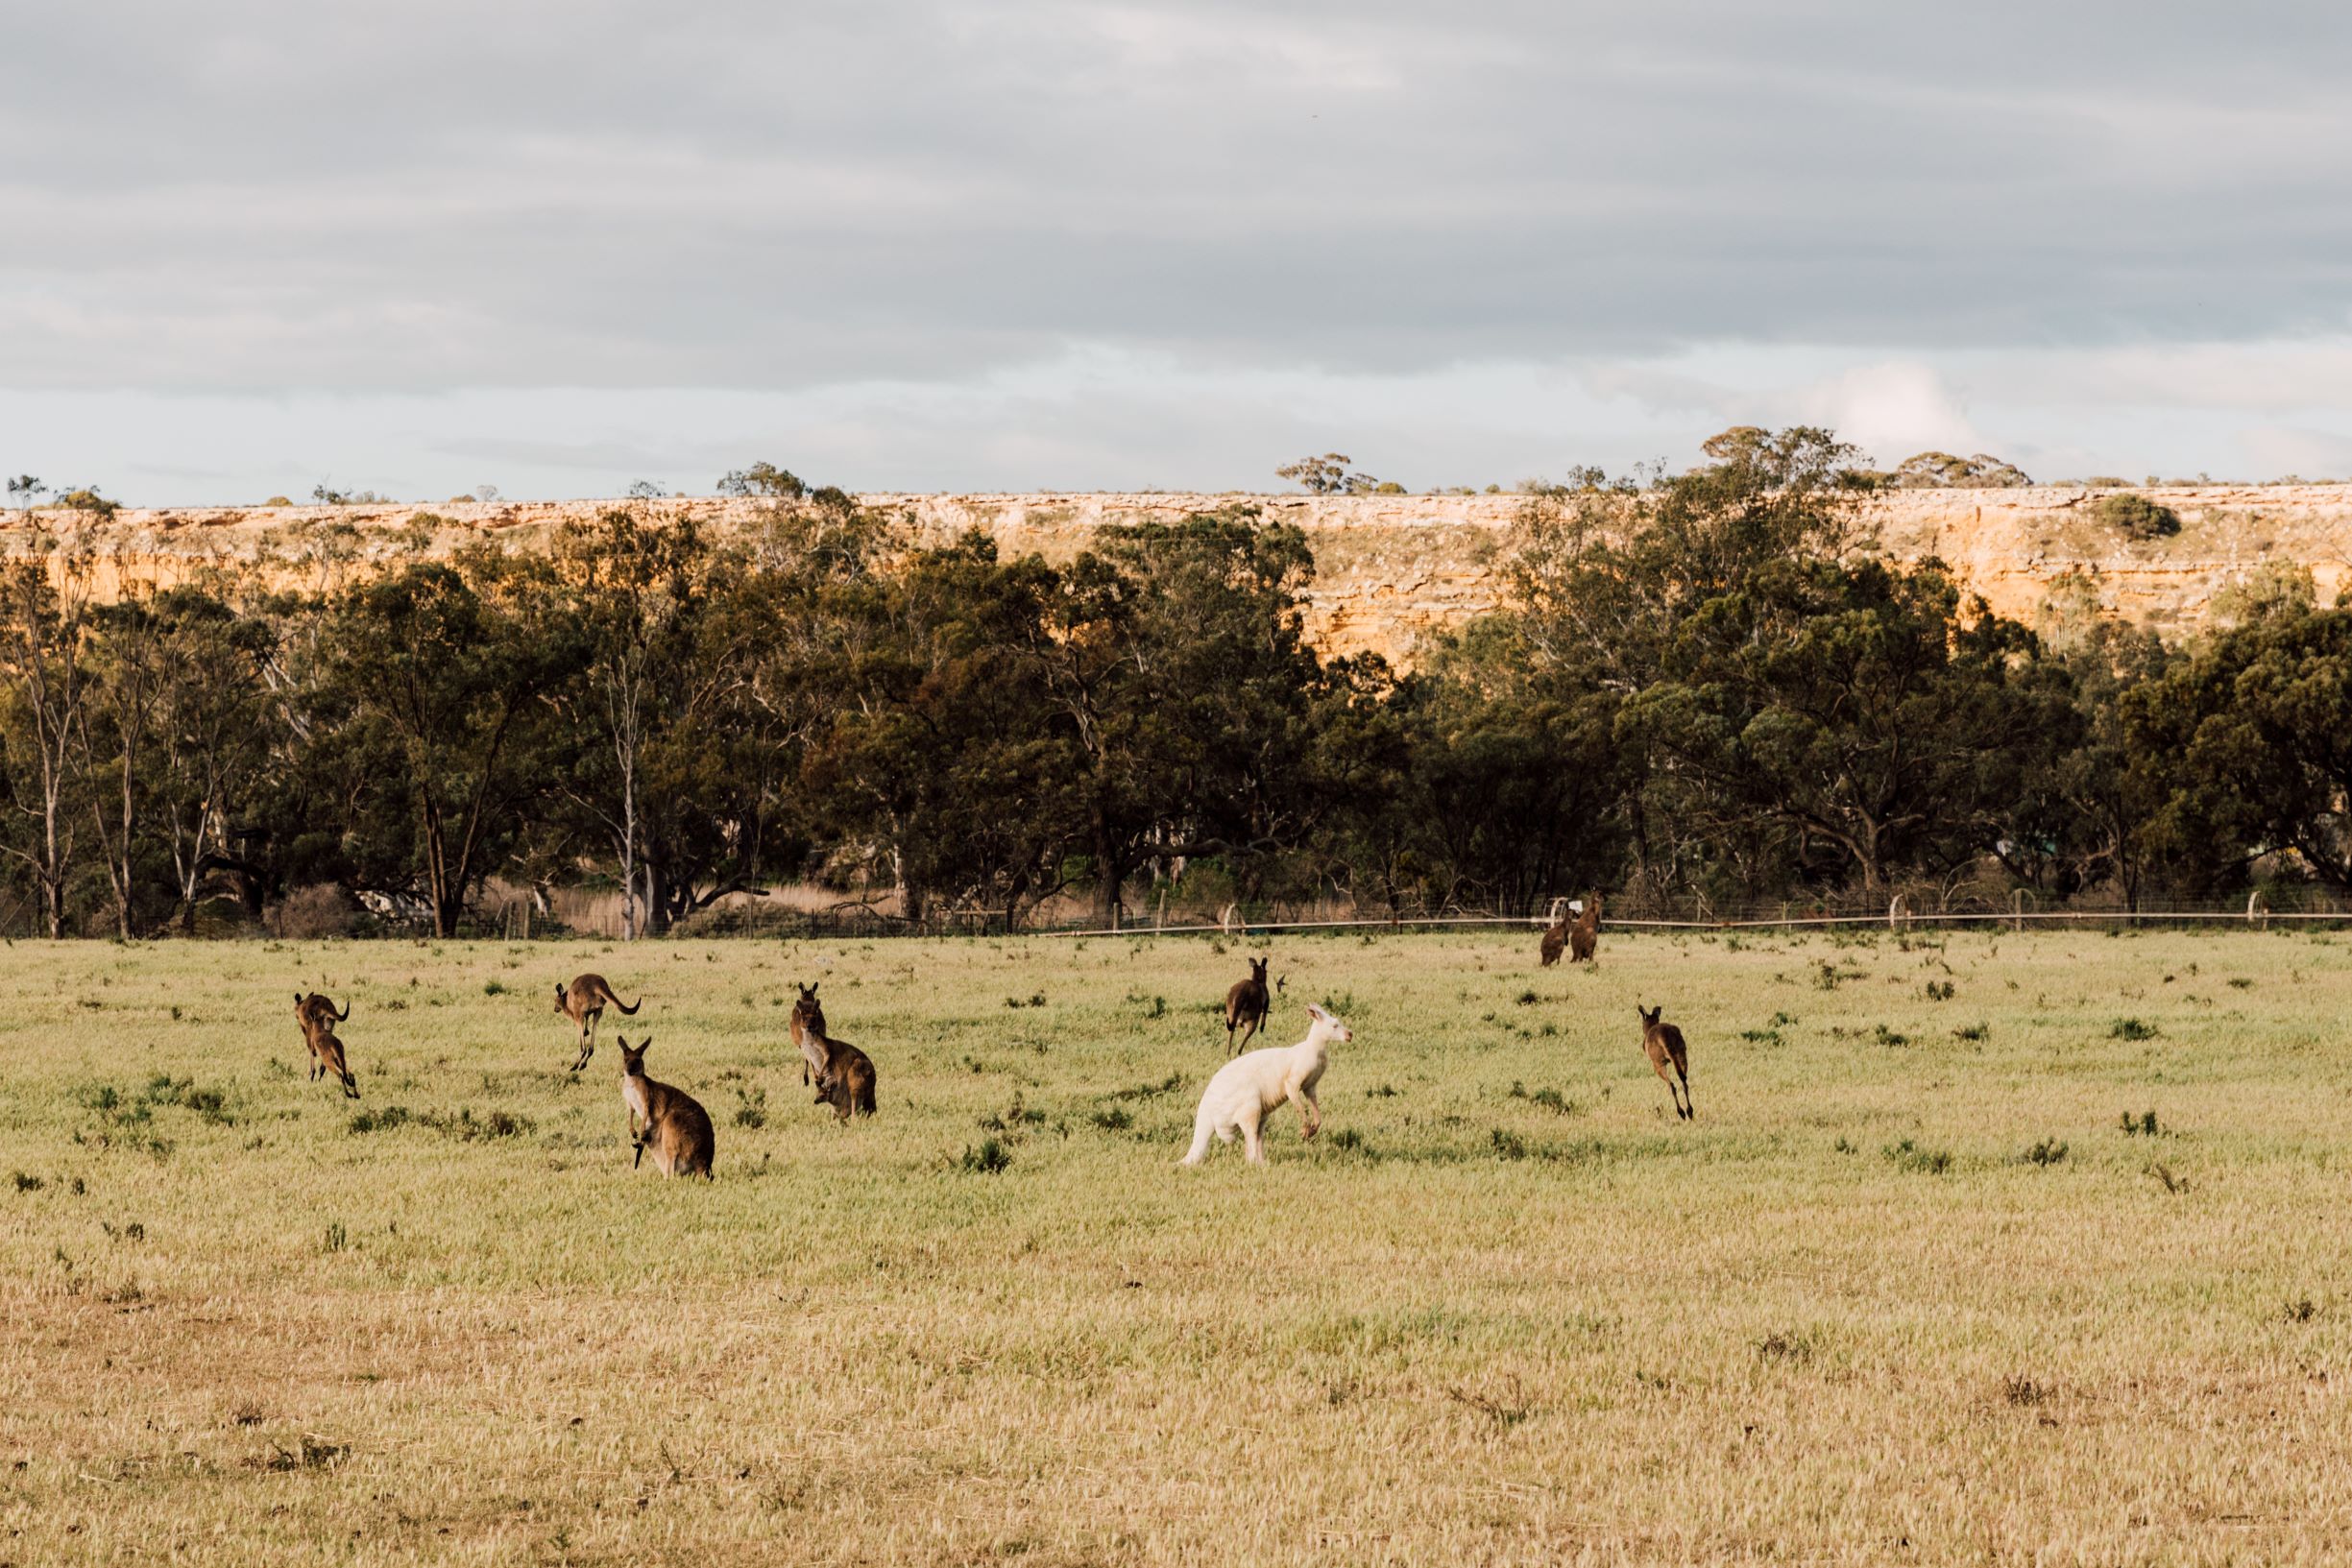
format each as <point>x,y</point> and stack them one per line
<point>1390,569</point>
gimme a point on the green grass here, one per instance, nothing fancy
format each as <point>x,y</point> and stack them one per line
<point>1880,1302</point>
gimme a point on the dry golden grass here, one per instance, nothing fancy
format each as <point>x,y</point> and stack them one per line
<point>1845,1316</point>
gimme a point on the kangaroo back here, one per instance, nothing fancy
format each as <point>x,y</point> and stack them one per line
<point>848,1080</point>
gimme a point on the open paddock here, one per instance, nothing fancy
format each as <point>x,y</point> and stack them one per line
<point>1908,1289</point>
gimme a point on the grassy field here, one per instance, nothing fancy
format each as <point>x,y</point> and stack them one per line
<point>1908,1289</point>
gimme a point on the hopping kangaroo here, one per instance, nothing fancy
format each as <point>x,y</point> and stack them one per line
<point>1586,935</point>
<point>1247,1004</point>
<point>318,1019</point>
<point>1249,1089</point>
<point>583,1002</point>
<point>1662,1043</point>
<point>808,1032</point>
<point>668,1120</point>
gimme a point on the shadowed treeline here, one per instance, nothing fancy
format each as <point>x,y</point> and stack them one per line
<point>1711,685</point>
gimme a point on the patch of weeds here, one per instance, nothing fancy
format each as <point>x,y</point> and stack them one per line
<point>1506,1407</point>
<point>311,1455</point>
<point>1348,1141</point>
<point>988,1160</point>
<point>1551,1099</point>
<point>1114,1119</point>
<point>2143,1125</point>
<point>26,1182</point>
<point>751,1109</point>
<point>1845,1145</point>
<point>1508,1146</point>
<point>1158,1008</point>
<point>1783,1021</point>
<point>1013,1117</point>
<point>1761,1037</point>
<point>1168,1085</point>
<point>2175,1185</point>
<point>1972,1031</point>
<point>1526,999</point>
<point>1939,990</point>
<point>380,1118</point>
<point>2241,984</point>
<point>1907,1155</point>
<point>494,988</point>
<point>2300,1311</point>
<point>2131,1028</point>
<point>337,1238</point>
<point>1793,1349</point>
<point>2025,1392</point>
<point>2049,1151</point>
<point>1386,1091</point>
<point>1888,1037</point>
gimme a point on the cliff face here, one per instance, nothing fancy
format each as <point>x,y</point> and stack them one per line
<point>1390,569</point>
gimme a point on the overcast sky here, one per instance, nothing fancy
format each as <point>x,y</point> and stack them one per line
<point>247,247</point>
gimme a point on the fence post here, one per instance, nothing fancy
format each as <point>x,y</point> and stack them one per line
<point>2018,924</point>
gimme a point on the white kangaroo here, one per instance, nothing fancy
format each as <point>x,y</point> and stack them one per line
<point>1254,1085</point>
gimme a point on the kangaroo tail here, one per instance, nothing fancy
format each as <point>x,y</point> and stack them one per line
<point>1201,1132</point>
<point>629,1008</point>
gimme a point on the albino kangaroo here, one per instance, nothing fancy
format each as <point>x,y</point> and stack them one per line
<point>1247,1004</point>
<point>1662,1043</point>
<point>809,1033</point>
<point>318,1018</point>
<point>583,1002</point>
<point>1586,935</point>
<point>669,1119</point>
<point>1250,1088</point>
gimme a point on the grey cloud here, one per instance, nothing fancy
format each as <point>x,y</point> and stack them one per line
<point>611,193</point>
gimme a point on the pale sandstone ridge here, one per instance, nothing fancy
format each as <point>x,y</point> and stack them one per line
<point>1390,569</point>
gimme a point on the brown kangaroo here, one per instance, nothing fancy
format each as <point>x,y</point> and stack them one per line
<point>1586,935</point>
<point>583,1002</point>
<point>1247,1004</point>
<point>1662,1044</point>
<point>808,1032</point>
<point>1556,938</point>
<point>846,1081</point>
<point>318,1019</point>
<point>670,1120</point>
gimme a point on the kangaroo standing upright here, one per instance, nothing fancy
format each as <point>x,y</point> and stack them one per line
<point>1249,1089</point>
<point>1556,938</point>
<point>1247,1004</point>
<point>318,1019</point>
<point>670,1121</point>
<point>1662,1044</point>
<point>583,1002</point>
<point>808,1032</point>
<point>1586,935</point>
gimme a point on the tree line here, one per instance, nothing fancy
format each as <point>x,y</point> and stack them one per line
<point>1702,686</point>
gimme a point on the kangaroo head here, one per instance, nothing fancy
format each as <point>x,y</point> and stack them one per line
<point>1257,967</point>
<point>807,993</point>
<point>562,995</point>
<point>1650,1015</point>
<point>633,1059</point>
<point>1329,1026</point>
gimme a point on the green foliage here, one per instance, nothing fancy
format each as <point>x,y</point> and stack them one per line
<point>2136,515</point>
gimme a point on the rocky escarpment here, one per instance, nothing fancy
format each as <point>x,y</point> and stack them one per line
<point>1390,569</point>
